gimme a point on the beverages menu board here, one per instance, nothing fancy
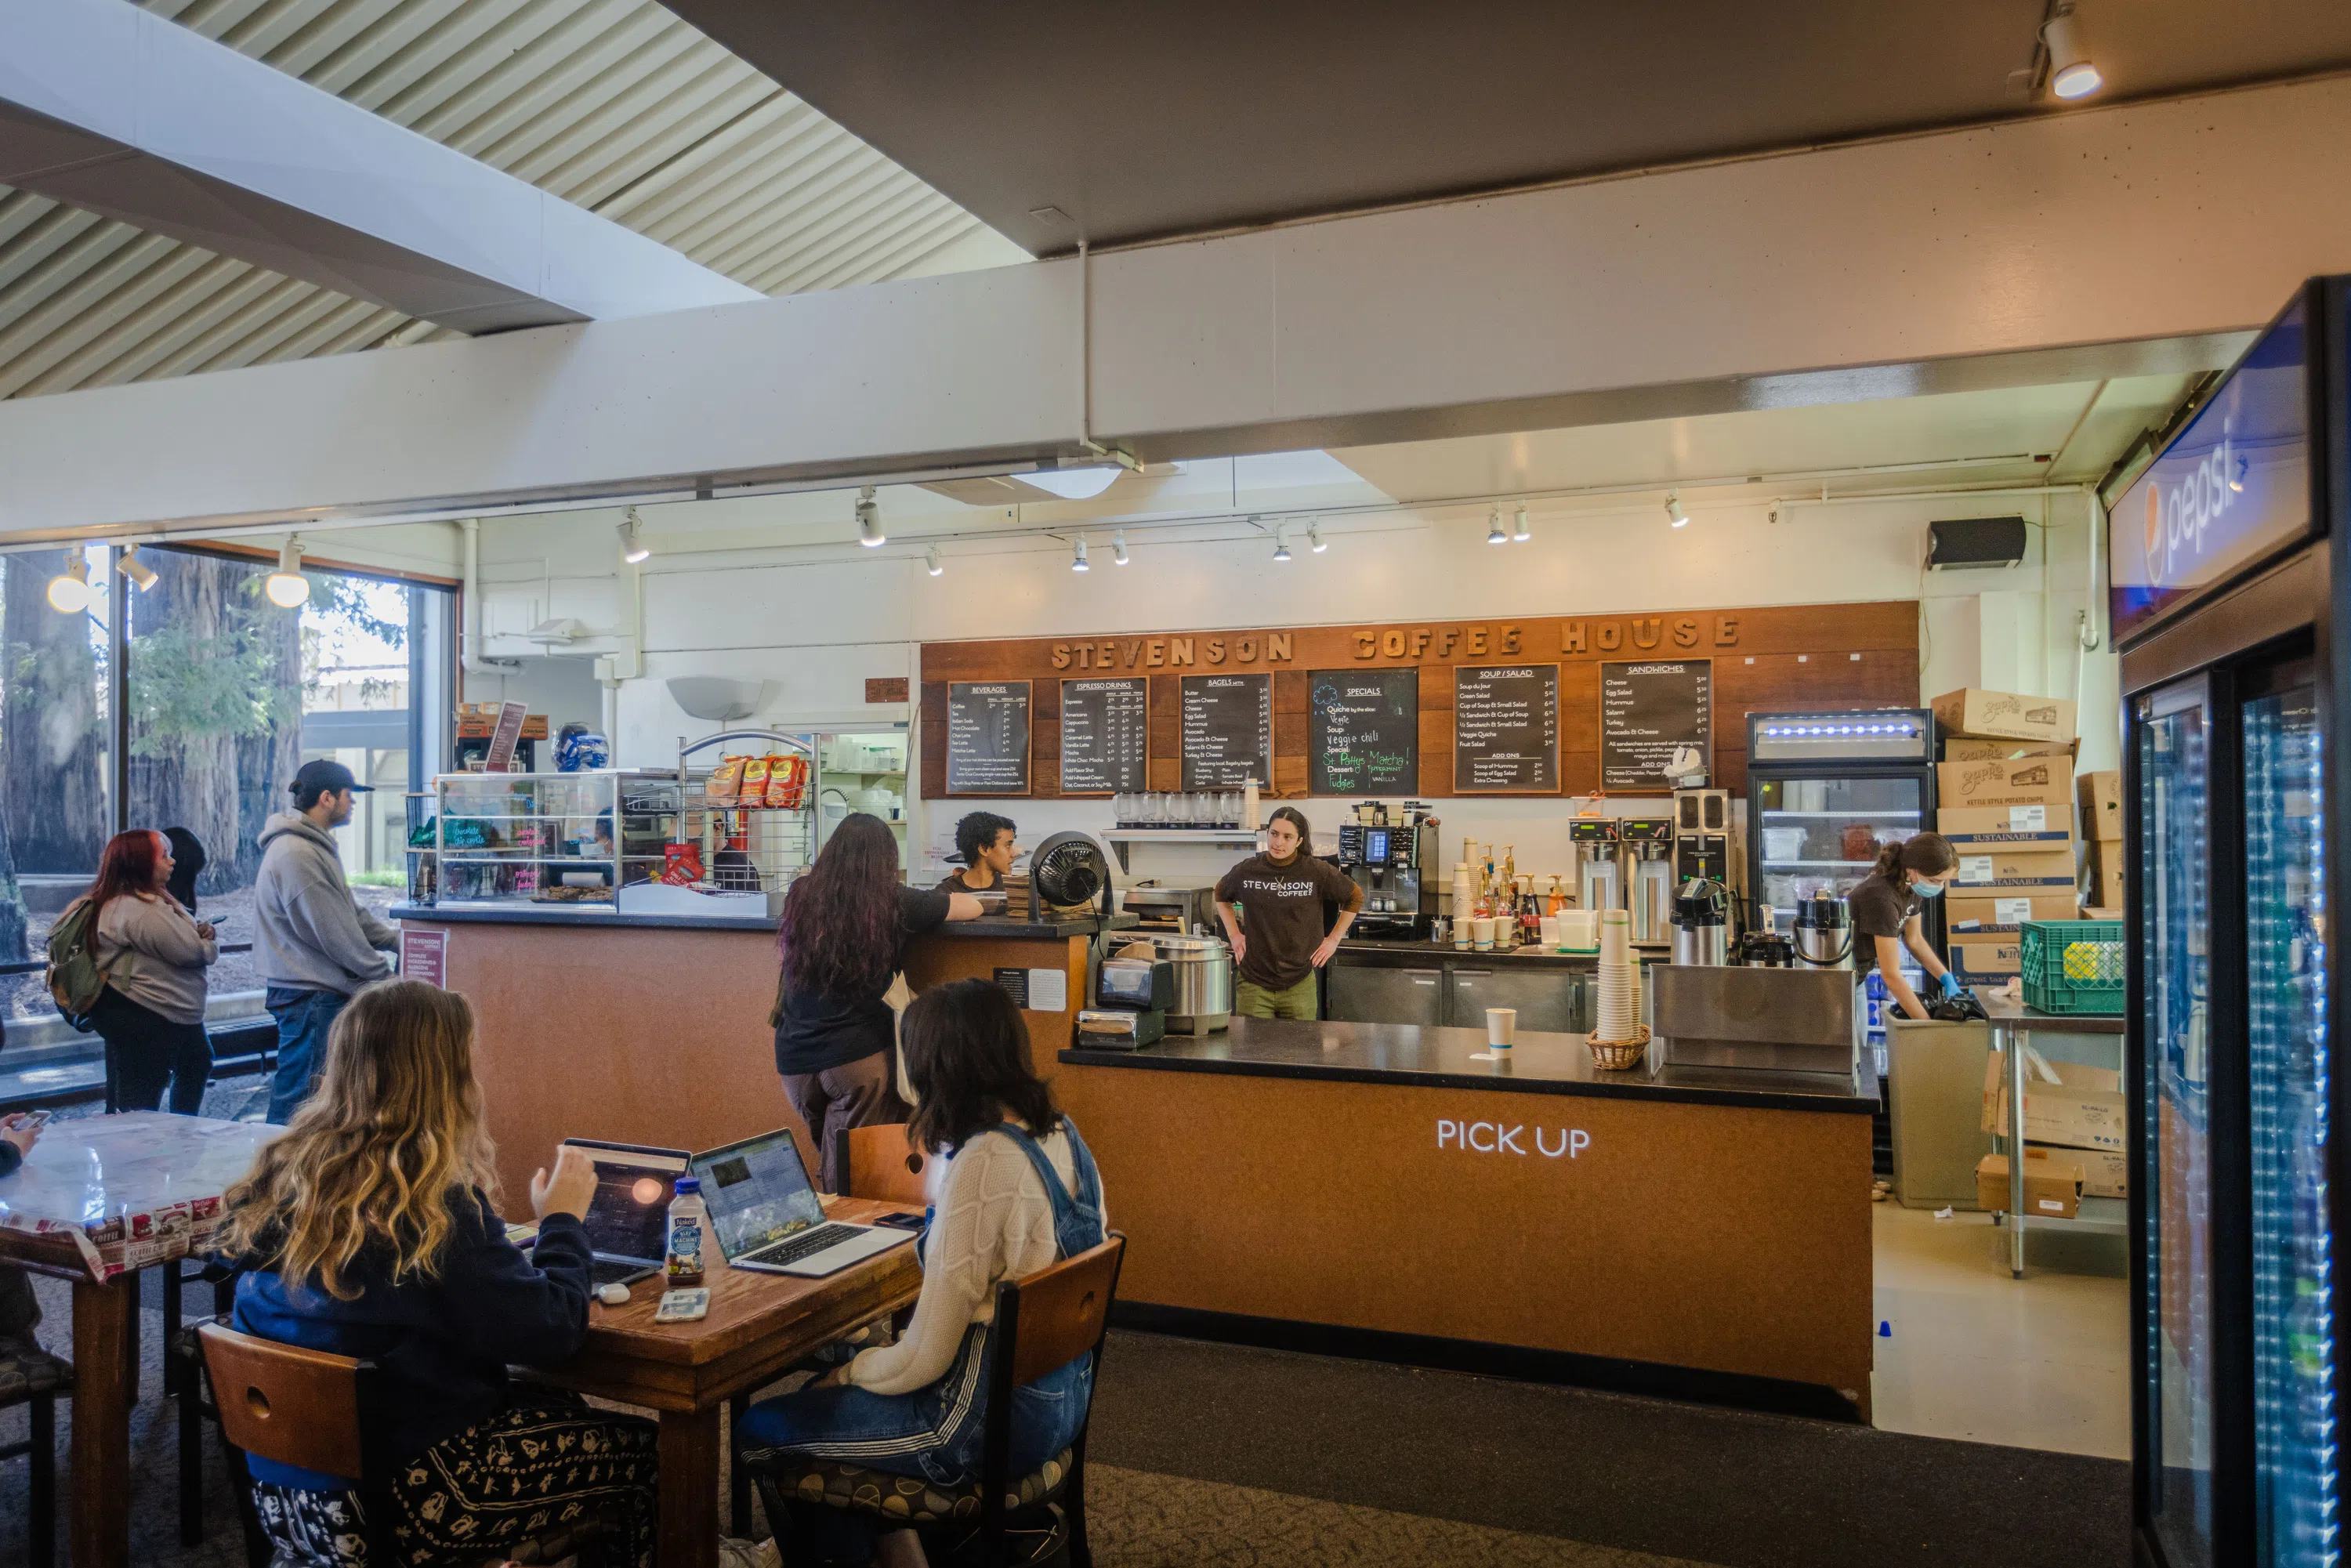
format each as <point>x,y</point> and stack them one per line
<point>988,737</point>
<point>1105,736</point>
<point>1647,710</point>
<point>1364,732</point>
<point>1506,729</point>
<point>1227,731</point>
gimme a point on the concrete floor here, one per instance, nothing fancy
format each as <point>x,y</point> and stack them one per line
<point>1967,1352</point>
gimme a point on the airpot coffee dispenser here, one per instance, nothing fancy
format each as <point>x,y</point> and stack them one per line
<point>1702,922</point>
<point>1824,933</point>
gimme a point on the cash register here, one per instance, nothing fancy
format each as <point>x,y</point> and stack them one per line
<point>1385,851</point>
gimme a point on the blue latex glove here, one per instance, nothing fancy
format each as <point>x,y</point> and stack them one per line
<point>1951,986</point>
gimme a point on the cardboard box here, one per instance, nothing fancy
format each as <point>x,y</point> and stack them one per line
<point>2108,878</point>
<point>1975,748</point>
<point>2105,1173</point>
<point>1986,963</point>
<point>2006,781</point>
<point>2102,912</point>
<point>1967,917</point>
<point>2021,825</point>
<point>2083,1110</point>
<point>2101,798</point>
<point>1985,868</point>
<point>2053,1186</point>
<point>2004,716</point>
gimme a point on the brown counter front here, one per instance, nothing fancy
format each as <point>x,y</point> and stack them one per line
<point>1377,1188</point>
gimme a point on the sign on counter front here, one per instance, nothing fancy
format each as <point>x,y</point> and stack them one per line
<point>424,955</point>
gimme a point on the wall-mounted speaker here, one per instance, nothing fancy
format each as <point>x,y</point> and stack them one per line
<point>1966,543</point>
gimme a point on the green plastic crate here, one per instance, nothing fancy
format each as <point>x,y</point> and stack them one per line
<point>2073,966</point>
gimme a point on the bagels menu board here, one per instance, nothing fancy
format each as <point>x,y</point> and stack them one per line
<point>1506,729</point>
<point>1105,736</point>
<point>1228,727</point>
<point>1364,732</point>
<point>988,737</point>
<point>1647,711</point>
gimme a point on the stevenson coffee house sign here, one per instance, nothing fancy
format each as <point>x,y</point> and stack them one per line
<point>1471,640</point>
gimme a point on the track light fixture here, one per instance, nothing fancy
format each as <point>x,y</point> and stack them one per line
<point>869,520</point>
<point>931,562</point>
<point>70,589</point>
<point>634,548</point>
<point>1674,510</point>
<point>1078,555</point>
<point>2072,74</point>
<point>1494,534</point>
<point>287,588</point>
<point>142,575</point>
<point>1118,547</point>
<point>1314,535</point>
<point>1282,541</point>
<point>1521,533</point>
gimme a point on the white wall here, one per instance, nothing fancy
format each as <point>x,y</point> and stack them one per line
<point>816,630</point>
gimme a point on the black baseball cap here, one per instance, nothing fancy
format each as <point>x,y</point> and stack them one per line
<point>325,775</point>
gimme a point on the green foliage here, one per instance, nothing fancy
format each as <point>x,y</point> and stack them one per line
<point>186,687</point>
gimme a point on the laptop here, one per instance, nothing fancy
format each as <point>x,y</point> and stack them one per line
<point>628,1219</point>
<point>768,1216</point>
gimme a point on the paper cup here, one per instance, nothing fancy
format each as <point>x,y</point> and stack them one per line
<point>1501,1028</point>
<point>1482,933</point>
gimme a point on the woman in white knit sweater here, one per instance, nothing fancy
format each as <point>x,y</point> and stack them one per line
<point>154,954</point>
<point>1012,1190</point>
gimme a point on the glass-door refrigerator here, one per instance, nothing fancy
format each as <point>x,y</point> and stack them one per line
<point>1824,789</point>
<point>2220,556</point>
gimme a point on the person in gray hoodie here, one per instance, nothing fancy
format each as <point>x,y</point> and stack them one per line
<point>311,941</point>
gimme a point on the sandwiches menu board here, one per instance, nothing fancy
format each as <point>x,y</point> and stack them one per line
<point>1506,729</point>
<point>1364,732</point>
<point>988,737</point>
<point>1105,736</point>
<point>1648,711</point>
<point>1227,724</point>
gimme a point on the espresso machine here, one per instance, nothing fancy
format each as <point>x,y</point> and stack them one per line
<point>1599,873</point>
<point>1647,856</point>
<point>1387,852</point>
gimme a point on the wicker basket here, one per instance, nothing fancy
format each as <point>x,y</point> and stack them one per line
<point>1617,1056</point>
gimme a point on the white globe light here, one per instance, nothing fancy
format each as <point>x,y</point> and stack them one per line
<point>288,591</point>
<point>68,595</point>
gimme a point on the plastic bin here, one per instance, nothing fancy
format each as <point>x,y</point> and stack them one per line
<point>2073,966</point>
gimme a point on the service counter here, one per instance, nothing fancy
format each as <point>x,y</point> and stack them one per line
<point>1431,983</point>
<point>1383,1189</point>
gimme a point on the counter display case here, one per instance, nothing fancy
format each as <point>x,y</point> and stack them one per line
<point>575,839</point>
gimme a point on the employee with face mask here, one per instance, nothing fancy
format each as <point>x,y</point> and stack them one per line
<point>1887,906</point>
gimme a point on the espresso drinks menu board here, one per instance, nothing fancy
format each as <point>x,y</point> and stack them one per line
<point>988,737</point>
<point>1364,732</point>
<point>1506,729</point>
<point>1105,736</point>
<point>1227,731</point>
<point>1647,711</point>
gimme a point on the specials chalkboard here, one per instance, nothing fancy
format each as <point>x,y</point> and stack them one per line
<point>1228,725</point>
<point>1649,709</point>
<point>1364,732</point>
<point>988,737</point>
<point>1105,736</point>
<point>1506,729</point>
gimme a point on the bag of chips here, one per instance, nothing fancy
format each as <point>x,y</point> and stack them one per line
<point>787,779</point>
<point>726,783</point>
<point>681,864</point>
<point>755,780</point>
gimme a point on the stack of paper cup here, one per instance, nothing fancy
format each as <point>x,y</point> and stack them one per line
<point>1619,1012</point>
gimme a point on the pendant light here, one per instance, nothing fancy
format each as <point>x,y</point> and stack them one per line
<point>142,575</point>
<point>1522,533</point>
<point>287,588</point>
<point>70,589</point>
<point>1494,534</point>
<point>633,538</point>
<point>869,520</point>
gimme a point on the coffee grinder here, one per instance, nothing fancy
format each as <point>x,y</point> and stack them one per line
<point>1649,880</point>
<point>1388,853</point>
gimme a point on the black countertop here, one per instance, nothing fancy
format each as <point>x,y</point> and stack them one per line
<point>1444,1059</point>
<point>998,927</point>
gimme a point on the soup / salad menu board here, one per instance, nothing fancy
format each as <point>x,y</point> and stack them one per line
<point>1105,736</point>
<point>1364,732</point>
<point>1228,725</point>
<point>988,737</point>
<point>1506,729</point>
<point>1648,710</point>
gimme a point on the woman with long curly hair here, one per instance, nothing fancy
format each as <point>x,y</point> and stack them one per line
<point>370,1230</point>
<point>843,936</point>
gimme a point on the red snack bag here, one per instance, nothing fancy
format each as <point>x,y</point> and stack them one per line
<point>784,782</point>
<point>682,864</point>
<point>755,780</point>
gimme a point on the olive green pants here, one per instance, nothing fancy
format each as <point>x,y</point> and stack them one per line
<point>1252,1001</point>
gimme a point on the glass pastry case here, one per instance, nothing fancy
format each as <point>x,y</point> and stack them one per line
<point>543,839</point>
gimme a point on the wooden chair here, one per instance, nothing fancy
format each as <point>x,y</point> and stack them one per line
<point>880,1164</point>
<point>303,1407</point>
<point>34,1378</point>
<point>1043,1321</point>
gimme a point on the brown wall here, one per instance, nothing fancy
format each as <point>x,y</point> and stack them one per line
<point>1781,656</point>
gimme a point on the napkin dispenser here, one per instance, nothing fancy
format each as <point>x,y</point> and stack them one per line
<point>1119,1029</point>
<point>1138,985</point>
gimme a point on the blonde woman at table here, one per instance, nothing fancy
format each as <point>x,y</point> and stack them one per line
<point>373,1230</point>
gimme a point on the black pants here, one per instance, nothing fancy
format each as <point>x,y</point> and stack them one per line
<point>144,1050</point>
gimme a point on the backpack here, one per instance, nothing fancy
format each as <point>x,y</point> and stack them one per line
<point>76,981</point>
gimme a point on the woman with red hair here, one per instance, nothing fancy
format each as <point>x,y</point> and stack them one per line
<point>153,954</point>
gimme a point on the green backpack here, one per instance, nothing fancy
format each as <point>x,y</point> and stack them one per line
<point>76,981</point>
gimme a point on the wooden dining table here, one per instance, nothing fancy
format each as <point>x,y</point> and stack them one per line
<point>758,1327</point>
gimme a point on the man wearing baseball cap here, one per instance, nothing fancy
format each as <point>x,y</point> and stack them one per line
<point>312,942</point>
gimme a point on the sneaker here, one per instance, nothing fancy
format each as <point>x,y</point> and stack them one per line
<point>735,1553</point>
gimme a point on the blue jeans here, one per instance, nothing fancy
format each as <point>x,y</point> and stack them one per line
<point>303,1019</point>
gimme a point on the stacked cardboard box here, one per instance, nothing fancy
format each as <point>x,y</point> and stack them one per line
<point>2006,790</point>
<point>2074,1113</point>
<point>2101,806</point>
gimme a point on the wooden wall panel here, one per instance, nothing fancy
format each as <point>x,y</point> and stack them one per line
<point>1772,658</point>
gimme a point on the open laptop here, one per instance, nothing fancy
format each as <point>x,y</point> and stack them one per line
<point>768,1216</point>
<point>628,1219</point>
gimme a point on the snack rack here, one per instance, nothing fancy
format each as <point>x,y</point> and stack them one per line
<point>745,850</point>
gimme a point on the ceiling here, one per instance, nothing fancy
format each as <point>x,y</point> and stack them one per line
<point>1114,120</point>
<point>614,105</point>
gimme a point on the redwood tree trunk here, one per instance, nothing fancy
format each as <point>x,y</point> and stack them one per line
<point>52,758</point>
<point>188,781</point>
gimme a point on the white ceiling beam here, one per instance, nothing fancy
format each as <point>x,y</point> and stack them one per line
<point>2141,239</point>
<point>111,109</point>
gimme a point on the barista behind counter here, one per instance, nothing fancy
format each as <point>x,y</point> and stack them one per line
<point>988,844</point>
<point>1887,906</point>
<point>1281,941</point>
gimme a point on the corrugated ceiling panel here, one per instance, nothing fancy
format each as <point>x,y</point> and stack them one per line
<point>614,104</point>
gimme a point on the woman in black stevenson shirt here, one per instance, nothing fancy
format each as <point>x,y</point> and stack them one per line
<point>1887,909</point>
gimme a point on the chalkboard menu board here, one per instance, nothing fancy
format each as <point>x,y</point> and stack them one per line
<point>988,737</point>
<point>1506,729</point>
<point>1364,732</point>
<point>1647,710</point>
<point>1105,736</point>
<point>1227,731</point>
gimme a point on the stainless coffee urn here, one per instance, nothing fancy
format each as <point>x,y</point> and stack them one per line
<point>1648,857</point>
<point>1599,878</point>
<point>1702,922</point>
<point>1824,933</point>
